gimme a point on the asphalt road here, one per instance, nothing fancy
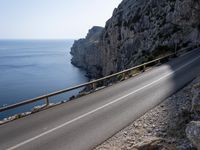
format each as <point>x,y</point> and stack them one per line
<point>87,121</point>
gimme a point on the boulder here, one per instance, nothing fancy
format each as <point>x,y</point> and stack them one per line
<point>193,133</point>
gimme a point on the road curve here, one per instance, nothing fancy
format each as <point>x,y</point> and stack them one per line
<point>83,123</point>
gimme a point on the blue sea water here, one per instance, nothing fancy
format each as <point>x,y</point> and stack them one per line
<point>30,68</point>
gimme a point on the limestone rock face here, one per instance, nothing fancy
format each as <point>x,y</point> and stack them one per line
<point>140,30</point>
<point>86,53</point>
<point>193,133</point>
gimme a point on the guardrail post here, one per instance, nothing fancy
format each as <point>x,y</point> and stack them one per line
<point>123,76</point>
<point>47,101</point>
<point>159,61</point>
<point>94,85</point>
<point>144,67</point>
<point>129,74</point>
<point>175,54</point>
<point>176,49</point>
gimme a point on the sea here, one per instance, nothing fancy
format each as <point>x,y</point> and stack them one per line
<point>31,68</point>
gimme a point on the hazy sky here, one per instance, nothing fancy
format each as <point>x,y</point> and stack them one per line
<point>21,19</point>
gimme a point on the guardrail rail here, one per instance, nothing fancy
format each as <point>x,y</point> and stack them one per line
<point>93,83</point>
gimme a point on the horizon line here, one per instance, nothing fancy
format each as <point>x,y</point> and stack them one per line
<point>39,38</point>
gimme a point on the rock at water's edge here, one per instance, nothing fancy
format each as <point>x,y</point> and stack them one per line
<point>86,53</point>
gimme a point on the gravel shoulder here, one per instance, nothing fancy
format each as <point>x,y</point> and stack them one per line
<point>162,128</point>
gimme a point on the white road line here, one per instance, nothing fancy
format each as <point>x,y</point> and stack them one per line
<point>95,110</point>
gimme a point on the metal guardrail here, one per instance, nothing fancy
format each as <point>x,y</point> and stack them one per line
<point>91,83</point>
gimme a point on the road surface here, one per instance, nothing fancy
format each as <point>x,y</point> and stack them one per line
<point>83,123</point>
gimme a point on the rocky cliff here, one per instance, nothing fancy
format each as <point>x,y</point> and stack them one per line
<point>138,31</point>
<point>85,52</point>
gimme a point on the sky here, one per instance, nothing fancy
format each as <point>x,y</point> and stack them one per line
<point>52,19</point>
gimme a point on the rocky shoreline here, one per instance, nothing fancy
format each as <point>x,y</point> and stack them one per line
<point>172,125</point>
